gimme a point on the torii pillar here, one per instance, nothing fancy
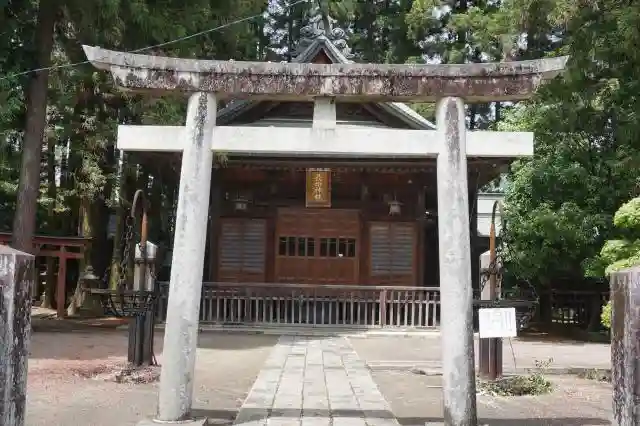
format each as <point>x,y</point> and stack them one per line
<point>447,85</point>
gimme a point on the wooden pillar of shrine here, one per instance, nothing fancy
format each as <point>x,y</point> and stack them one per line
<point>215,209</point>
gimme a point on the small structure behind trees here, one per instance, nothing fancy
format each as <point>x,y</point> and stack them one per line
<point>56,252</point>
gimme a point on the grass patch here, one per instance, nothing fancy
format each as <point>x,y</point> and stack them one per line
<point>521,385</point>
<point>596,374</point>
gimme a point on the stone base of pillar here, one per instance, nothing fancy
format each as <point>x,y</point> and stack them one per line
<point>17,275</point>
<point>625,350</point>
<point>442,424</point>
<point>195,422</point>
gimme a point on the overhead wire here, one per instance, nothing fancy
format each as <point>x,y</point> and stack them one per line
<point>155,46</point>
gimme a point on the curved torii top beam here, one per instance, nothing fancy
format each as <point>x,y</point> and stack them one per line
<point>504,81</point>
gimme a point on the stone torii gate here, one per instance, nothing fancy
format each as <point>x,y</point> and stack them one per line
<point>208,81</point>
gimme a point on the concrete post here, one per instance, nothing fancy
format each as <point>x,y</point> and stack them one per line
<point>17,276</point>
<point>456,322</point>
<point>625,346</point>
<point>183,306</point>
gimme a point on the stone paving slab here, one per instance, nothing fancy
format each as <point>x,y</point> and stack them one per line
<point>314,382</point>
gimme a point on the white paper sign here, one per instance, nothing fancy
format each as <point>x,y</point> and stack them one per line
<point>497,322</point>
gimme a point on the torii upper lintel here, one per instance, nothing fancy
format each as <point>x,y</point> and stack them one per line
<point>503,81</point>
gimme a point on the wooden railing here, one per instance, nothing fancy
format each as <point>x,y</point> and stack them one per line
<point>317,306</point>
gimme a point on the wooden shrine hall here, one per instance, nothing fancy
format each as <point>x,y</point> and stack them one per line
<point>333,226</point>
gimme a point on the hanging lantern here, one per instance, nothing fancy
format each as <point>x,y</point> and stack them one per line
<point>241,204</point>
<point>395,207</point>
<point>430,217</point>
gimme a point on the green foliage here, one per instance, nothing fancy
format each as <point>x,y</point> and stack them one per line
<point>83,107</point>
<point>561,203</point>
<point>621,254</point>
<point>628,216</point>
<point>605,316</point>
<point>624,253</point>
<point>520,385</point>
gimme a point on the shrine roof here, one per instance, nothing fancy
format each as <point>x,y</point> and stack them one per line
<point>311,50</point>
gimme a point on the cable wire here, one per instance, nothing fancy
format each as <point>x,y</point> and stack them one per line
<point>155,46</point>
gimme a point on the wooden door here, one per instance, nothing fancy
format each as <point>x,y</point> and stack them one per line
<point>317,246</point>
<point>241,250</point>
<point>392,253</point>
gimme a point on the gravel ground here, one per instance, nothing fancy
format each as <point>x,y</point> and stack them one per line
<point>416,399</point>
<point>60,395</point>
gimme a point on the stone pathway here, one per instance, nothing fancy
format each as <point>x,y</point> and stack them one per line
<point>311,381</point>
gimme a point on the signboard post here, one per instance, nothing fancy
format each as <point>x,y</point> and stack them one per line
<point>494,324</point>
<point>490,347</point>
<point>497,323</point>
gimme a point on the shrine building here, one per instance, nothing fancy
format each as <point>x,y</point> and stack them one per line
<point>287,221</point>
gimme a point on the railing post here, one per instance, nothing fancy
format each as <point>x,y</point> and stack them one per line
<point>382,299</point>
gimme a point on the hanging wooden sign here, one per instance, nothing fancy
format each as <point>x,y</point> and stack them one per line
<point>318,188</point>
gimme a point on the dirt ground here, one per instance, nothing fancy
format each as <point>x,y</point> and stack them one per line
<point>60,395</point>
<point>517,354</point>
<point>417,399</point>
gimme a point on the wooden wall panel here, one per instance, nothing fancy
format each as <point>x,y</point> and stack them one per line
<point>331,252</point>
<point>241,250</point>
<point>393,253</point>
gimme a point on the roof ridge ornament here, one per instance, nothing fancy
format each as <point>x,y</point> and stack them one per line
<point>315,29</point>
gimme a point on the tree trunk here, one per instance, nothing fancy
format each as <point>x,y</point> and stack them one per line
<point>24,222</point>
<point>101,247</point>
<point>155,205</point>
<point>116,256</point>
<point>50,280</point>
<point>122,269</point>
<point>86,231</point>
<point>49,284</point>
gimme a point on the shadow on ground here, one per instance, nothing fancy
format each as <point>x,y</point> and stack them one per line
<point>564,335</point>
<point>79,340</point>
<point>98,343</point>
<point>558,421</point>
<point>227,417</point>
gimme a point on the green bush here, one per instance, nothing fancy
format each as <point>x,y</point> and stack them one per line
<point>622,253</point>
<point>605,316</point>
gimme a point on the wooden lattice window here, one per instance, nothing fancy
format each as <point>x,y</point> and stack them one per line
<point>242,250</point>
<point>392,253</point>
<point>337,247</point>
<point>297,246</point>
